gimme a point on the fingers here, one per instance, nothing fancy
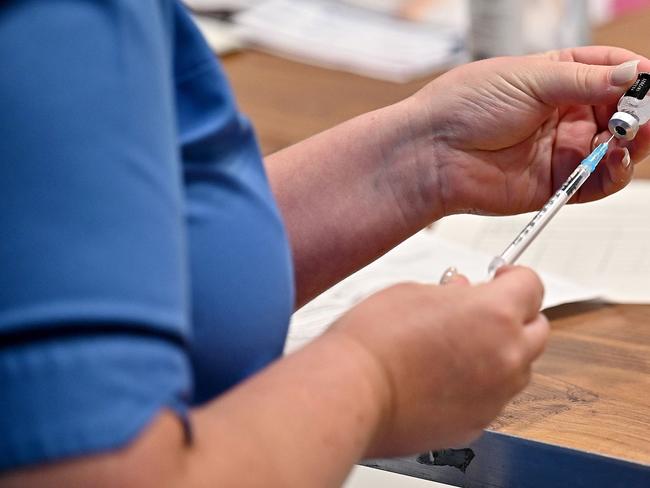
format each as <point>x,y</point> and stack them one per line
<point>611,175</point>
<point>520,287</point>
<point>535,335</point>
<point>617,171</point>
<point>600,55</point>
<point>590,66</point>
<point>569,83</point>
<point>524,287</point>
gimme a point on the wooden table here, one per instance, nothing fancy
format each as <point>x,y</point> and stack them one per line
<point>591,389</point>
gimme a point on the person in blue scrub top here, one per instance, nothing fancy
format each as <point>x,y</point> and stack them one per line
<point>150,259</point>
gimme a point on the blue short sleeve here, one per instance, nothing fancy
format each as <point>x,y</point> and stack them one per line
<point>242,293</point>
<point>93,301</point>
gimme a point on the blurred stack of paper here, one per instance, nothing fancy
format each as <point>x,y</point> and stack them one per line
<point>347,37</point>
<point>396,40</point>
<point>219,5</point>
<point>452,13</point>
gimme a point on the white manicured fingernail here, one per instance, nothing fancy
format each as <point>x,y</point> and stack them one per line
<point>627,160</point>
<point>594,142</point>
<point>448,275</point>
<point>624,73</point>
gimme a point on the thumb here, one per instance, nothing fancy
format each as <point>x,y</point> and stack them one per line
<point>567,83</point>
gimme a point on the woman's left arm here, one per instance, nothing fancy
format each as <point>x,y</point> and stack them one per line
<point>351,193</point>
<point>493,137</point>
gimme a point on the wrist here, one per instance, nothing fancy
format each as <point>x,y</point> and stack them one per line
<point>428,161</point>
<point>405,160</point>
<point>376,385</point>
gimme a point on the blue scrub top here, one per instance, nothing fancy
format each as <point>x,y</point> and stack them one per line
<point>143,261</point>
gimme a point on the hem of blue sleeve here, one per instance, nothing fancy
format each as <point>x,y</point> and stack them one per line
<point>86,395</point>
<point>105,444</point>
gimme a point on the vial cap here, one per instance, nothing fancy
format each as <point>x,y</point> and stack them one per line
<point>624,126</point>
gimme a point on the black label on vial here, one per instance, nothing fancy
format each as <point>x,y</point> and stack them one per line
<point>641,87</point>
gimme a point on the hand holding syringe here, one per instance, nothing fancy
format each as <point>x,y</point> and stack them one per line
<point>548,211</point>
<point>634,110</point>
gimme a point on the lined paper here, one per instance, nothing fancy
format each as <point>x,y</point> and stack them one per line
<point>603,245</point>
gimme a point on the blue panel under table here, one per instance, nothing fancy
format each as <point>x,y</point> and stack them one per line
<point>502,461</point>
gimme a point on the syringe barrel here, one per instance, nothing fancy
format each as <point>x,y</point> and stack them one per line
<point>544,216</point>
<point>534,227</point>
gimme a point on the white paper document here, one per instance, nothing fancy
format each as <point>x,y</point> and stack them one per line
<point>422,258</point>
<point>604,245</point>
<point>364,477</point>
<point>351,38</point>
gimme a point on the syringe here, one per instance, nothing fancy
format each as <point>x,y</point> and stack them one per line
<point>544,216</point>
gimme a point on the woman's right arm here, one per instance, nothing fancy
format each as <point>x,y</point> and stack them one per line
<point>413,367</point>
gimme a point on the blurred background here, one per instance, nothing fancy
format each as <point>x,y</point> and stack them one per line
<point>402,40</point>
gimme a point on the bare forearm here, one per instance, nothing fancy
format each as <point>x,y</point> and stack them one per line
<point>302,422</point>
<point>353,192</point>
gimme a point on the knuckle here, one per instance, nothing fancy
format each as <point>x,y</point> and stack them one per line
<point>553,55</point>
<point>504,315</point>
<point>531,280</point>
<point>537,341</point>
<point>545,326</point>
<point>583,75</point>
<point>512,358</point>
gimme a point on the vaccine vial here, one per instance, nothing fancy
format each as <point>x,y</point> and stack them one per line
<point>633,109</point>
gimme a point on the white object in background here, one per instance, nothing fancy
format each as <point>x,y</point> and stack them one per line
<point>390,7</point>
<point>221,36</point>
<point>601,11</point>
<point>575,25</point>
<point>219,5</point>
<point>555,24</point>
<point>496,28</point>
<point>364,477</point>
<point>342,36</point>
<point>436,12</point>
<point>422,258</point>
<point>603,245</point>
